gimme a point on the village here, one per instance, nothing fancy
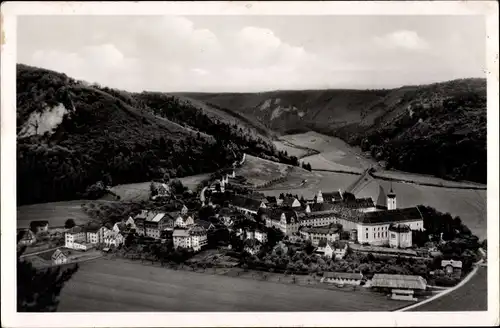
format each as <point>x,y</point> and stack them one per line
<point>334,239</point>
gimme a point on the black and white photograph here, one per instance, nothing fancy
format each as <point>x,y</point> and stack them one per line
<point>232,158</point>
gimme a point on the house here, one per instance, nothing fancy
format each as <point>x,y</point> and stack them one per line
<point>342,278</point>
<point>195,237</point>
<point>271,200</point>
<point>284,219</point>
<point>452,268</point>
<point>114,238</point>
<point>39,226</point>
<point>246,205</point>
<point>403,287</point>
<point>291,202</point>
<point>208,226</point>
<point>251,246</point>
<point>318,218</point>
<point>337,249</point>
<point>27,237</point>
<point>260,235</point>
<point>400,236</point>
<point>162,190</point>
<point>328,197</point>
<point>155,223</point>
<point>183,221</point>
<point>139,221</point>
<point>184,210</point>
<point>92,233</point>
<point>329,233</point>
<point>226,216</point>
<point>130,223</point>
<point>76,238</point>
<point>60,257</point>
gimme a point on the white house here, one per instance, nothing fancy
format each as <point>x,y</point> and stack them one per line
<point>285,220</point>
<point>329,249</point>
<point>195,237</point>
<point>114,238</point>
<point>329,233</point>
<point>400,236</point>
<point>59,257</point>
<point>183,221</point>
<point>75,238</point>
<point>342,278</point>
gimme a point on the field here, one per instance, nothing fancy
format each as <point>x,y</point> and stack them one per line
<point>473,296</point>
<point>258,171</point>
<point>140,191</point>
<point>335,154</point>
<point>56,213</point>
<point>103,285</point>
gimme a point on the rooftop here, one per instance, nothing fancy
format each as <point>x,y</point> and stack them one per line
<point>343,275</point>
<point>399,227</point>
<point>397,215</point>
<point>398,281</point>
<point>180,233</point>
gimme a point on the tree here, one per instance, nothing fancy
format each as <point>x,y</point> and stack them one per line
<point>38,290</point>
<point>70,223</point>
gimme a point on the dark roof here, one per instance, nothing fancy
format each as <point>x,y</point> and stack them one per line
<point>338,244</point>
<point>359,203</point>
<point>397,215</point>
<point>398,281</point>
<point>333,228</point>
<point>288,201</point>
<point>332,196</point>
<point>318,207</point>
<point>290,214</point>
<point>272,199</point>
<point>343,275</point>
<point>197,230</point>
<point>320,214</point>
<point>399,228</point>
<point>381,200</point>
<point>92,227</point>
<point>75,230</point>
<point>203,223</point>
<point>26,234</point>
<point>245,202</point>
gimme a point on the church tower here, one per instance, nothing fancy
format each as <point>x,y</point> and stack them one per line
<point>391,200</point>
<point>319,197</point>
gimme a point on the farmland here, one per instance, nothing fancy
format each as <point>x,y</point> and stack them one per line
<point>102,285</point>
<point>473,296</point>
<point>56,213</point>
<point>258,171</point>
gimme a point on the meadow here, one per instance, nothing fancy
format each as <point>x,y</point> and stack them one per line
<point>56,213</point>
<point>114,285</point>
<point>140,191</point>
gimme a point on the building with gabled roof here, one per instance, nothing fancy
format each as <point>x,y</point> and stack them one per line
<point>246,204</point>
<point>194,237</point>
<point>342,278</point>
<point>329,233</point>
<point>284,219</point>
<point>403,287</point>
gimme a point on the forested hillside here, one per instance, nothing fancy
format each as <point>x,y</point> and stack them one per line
<point>437,129</point>
<point>72,135</point>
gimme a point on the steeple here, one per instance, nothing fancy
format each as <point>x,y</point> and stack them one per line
<point>391,200</point>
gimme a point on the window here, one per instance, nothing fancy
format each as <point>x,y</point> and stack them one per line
<point>367,235</point>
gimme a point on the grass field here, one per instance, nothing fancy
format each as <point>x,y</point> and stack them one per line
<point>140,191</point>
<point>258,171</point>
<point>56,213</point>
<point>335,154</point>
<point>473,296</point>
<point>115,285</point>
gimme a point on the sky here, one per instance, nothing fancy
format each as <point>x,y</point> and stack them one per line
<point>255,53</point>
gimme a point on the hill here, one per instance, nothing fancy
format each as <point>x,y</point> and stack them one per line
<point>403,127</point>
<point>72,135</point>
